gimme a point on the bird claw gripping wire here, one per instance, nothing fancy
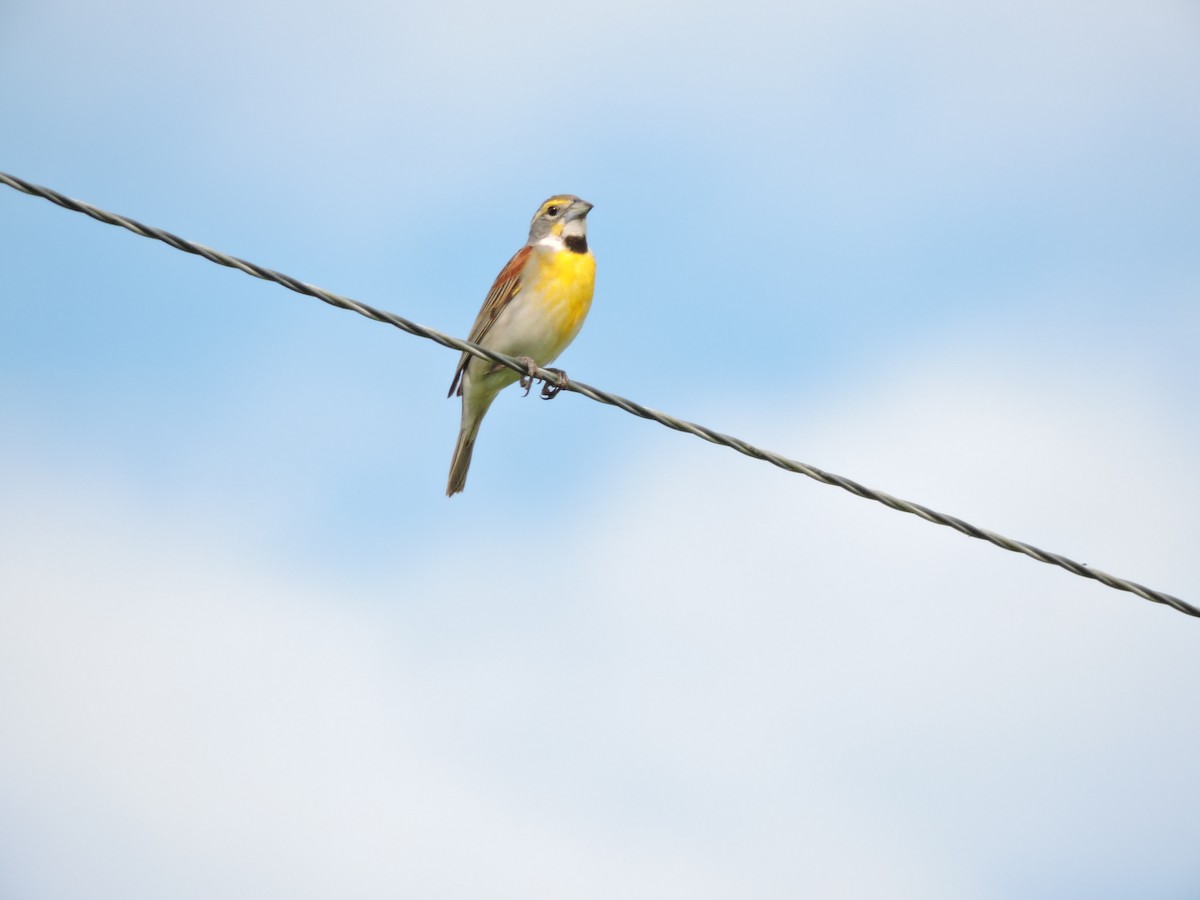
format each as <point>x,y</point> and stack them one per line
<point>526,380</point>
<point>550,391</point>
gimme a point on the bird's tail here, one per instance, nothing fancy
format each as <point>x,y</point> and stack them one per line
<point>461,461</point>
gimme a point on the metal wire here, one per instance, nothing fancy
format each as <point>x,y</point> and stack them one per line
<point>605,397</point>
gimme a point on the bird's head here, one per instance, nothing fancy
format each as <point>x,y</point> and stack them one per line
<point>561,218</point>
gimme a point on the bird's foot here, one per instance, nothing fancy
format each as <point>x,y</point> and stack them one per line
<point>526,380</point>
<point>550,391</point>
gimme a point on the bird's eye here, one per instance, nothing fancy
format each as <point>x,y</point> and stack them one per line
<point>552,211</point>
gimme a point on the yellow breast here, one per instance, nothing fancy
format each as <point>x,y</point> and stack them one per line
<point>563,283</point>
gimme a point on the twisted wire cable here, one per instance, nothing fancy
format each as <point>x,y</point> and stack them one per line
<point>600,396</point>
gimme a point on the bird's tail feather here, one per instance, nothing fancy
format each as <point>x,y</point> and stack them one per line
<point>461,460</point>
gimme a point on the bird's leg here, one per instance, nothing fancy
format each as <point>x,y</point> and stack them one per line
<point>550,391</point>
<point>526,380</point>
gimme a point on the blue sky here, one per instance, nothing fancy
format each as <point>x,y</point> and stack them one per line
<point>251,650</point>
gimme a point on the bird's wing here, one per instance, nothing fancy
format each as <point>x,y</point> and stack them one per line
<point>506,286</point>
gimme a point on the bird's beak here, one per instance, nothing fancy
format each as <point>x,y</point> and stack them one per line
<point>579,209</point>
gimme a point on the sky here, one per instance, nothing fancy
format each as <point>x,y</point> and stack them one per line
<point>250,649</point>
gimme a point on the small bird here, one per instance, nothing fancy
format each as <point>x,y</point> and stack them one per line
<point>533,311</point>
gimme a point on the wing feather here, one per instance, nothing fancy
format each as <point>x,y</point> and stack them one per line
<point>505,287</point>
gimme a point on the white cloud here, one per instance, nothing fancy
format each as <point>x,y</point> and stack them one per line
<point>718,680</point>
<point>439,83</point>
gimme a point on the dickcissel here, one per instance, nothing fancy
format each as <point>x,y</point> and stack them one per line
<point>533,311</point>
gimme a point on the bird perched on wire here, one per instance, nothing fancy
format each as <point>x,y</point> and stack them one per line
<point>533,311</point>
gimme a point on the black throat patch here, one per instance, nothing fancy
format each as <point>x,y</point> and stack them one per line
<point>576,243</point>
